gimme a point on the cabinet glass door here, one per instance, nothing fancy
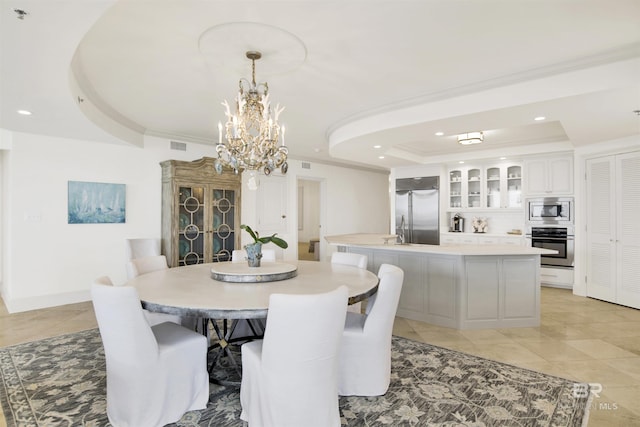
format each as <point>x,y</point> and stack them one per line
<point>191,225</point>
<point>473,188</point>
<point>223,235</point>
<point>514,187</point>
<point>493,187</point>
<point>455,189</point>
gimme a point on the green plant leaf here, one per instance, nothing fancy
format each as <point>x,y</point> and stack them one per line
<point>279,242</point>
<point>267,239</point>
<point>250,231</point>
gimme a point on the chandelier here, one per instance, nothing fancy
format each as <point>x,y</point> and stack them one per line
<point>252,132</point>
<point>470,138</point>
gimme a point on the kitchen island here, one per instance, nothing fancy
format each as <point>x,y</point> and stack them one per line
<point>458,286</point>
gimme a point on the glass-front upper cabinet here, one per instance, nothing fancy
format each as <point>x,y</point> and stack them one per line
<point>514,186</point>
<point>494,187</point>
<point>455,188</point>
<point>503,186</point>
<point>474,182</point>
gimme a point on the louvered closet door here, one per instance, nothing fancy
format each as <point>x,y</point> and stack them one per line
<point>628,229</point>
<point>601,228</point>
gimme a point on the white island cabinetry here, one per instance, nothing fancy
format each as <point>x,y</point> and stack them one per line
<point>463,287</point>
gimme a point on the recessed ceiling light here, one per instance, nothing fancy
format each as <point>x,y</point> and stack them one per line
<point>461,161</point>
<point>317,150</point>
<point>24,112</point>
<point>377,146</point>
<point>439,133</point>
<point>381,157</point>
<point>503,158</point>
<point>539,118</point>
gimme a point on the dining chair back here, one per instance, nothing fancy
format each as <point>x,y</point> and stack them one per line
<point>365,354</point>
<point>348,258</point>
<point>154,374</point>
<point>290,377</point>
<point>356,260</point>
<point>138,266</point>
<point>268,255</point>
<point>138,248</point>
<point>148,264</point>
<point>239,255</point>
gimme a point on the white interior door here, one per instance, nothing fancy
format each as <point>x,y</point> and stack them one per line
<point>628,229</point>
<point>601,222</point>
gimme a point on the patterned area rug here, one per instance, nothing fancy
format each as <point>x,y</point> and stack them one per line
<point>62,382</point>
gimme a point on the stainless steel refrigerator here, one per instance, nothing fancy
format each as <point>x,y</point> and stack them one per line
<point>417,210</point>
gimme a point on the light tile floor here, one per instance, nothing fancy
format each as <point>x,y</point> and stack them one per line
<point>580,339</point>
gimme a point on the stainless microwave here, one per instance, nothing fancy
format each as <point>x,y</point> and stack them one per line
<point>550,210</point>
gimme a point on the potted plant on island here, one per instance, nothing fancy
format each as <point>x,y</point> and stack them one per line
<point>254,250</point>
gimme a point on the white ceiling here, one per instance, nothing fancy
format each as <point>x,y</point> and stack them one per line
<point>351,73</point>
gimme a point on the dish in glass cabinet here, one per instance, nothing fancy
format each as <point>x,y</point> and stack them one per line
<point>184,221</point>
<point>183,248</point>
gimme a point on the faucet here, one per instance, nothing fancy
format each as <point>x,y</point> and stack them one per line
<point>402,227</point>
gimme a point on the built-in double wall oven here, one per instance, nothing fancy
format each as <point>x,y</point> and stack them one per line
<point>550,226</point>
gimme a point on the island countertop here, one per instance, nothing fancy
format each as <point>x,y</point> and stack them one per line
<point>377,241</point>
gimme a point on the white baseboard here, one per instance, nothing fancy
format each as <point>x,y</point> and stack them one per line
<point>45,301</point>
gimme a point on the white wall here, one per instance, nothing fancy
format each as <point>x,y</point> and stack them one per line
<point>47,262</point>
<point>352,201</point>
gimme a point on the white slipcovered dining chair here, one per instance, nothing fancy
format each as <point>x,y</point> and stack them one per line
<point>138,248</point>
<point>152,318</point>
<point>365,353</point>
<point>239,255</point>
<point>148,264</point>
<point>356,260</point>
<point>289,379</point>
<point>154,374</point>
<point>268,255</point>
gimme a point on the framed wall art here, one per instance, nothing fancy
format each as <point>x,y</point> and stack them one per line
<point>96,203</point>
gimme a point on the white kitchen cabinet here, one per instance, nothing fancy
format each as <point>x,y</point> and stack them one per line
<point>474,188</point>
<point>465,186</point>
<point>613,230</point>
<point>557,277</point>
<point>503,187</point>
<point>496,186</point>
<point>548,175</point>
<point>455,188</point>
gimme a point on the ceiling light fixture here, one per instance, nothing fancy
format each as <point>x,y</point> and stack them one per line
<point>24,112</point>
<point>377,146</point>
<point>470,138</point>
<point>439,133</point>
<point>252,132</point>
<point>539,118</point>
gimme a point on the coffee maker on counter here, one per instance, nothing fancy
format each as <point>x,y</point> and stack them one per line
<point>457,224</point>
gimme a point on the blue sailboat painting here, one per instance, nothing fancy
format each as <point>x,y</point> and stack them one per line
<point>96,203</point>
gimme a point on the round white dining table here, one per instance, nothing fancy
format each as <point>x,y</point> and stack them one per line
<point>191,290</point>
